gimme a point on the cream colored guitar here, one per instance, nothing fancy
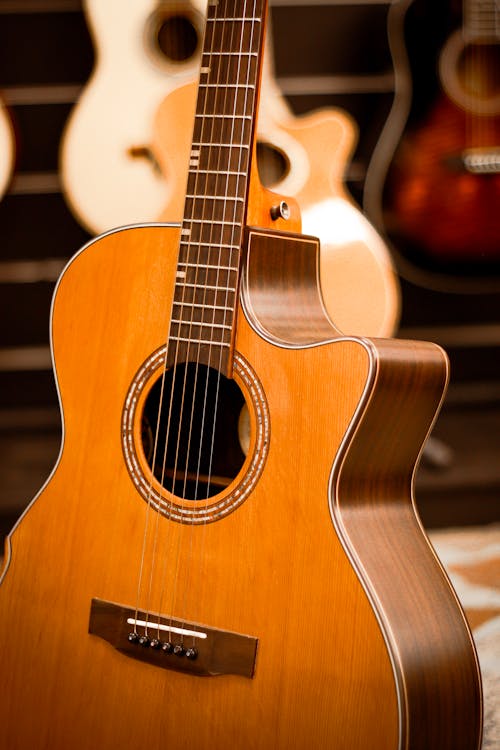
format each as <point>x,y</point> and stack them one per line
<point>6,149</point>
<point>125,154</point>
<point>108,175</point>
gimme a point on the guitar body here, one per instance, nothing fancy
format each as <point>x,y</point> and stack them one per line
<point>361,641</point>
<point>445,209</point>
<point>6,149</point>
<point>437,167</point>
<point>125,159</point>
<point>107,173</point>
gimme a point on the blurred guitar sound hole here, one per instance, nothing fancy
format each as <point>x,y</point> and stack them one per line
<point>177,37</point>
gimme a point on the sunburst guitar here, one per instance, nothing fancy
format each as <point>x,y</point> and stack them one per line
<point>444,187</point>
<point>125,152</point>
<point>167,590</point>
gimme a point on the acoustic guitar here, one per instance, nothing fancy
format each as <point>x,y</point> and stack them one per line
<point>164,589</point>
<point>7,149</point>
<point>443,188</point>
<point>125,153</point>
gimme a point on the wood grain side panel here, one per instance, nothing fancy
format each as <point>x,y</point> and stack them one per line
<point>373,508</point>
<point>282,288</point>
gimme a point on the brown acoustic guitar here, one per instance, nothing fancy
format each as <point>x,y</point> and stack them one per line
<point>164,590</point>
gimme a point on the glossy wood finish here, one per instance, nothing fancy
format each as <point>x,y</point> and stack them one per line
<point>333,658</point>
<point>430,640</point>
<point>334,663</point>
<point>434,200</point>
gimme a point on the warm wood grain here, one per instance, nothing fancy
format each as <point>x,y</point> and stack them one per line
<point>82,538</point>
<point>431,642</point>
<point>337,664</point>
<point>275,568</point>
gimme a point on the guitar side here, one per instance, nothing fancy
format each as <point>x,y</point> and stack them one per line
<point>322,563</point>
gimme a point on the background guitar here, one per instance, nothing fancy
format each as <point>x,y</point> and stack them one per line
<point>143,49</point>
<point>7,148</point>
<point>443,189</point>
<point>124,158</point>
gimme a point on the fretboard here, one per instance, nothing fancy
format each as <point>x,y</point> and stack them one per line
<point>208,270</point>
<point>481,21</point>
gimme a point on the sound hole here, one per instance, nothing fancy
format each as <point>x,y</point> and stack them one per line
<point>272,164</point>
<point>177,38</point>
<point>190,431</point>
<point>479,70</point>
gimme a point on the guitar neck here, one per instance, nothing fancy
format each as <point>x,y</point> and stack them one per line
<point>218,179</point>
<point>481,22</point>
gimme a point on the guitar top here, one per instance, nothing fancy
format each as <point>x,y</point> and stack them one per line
<point>167,589</point>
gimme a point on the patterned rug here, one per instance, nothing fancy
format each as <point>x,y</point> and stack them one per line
<point>471,557</point>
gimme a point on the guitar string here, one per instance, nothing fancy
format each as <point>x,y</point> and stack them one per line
<point>225,71</point>
<point>202,253</point>
<point>195,192</point>
<point>185,254</point>
<point>149,500</point>
<point>236,227</point>
<point>151,481</point>
<point>173,384</point>
<point>166,500</point>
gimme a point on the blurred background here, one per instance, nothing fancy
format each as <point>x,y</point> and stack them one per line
<point>421,82</point>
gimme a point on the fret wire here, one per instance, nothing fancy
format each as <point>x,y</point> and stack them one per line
<point>221,172</point>
<point>193,196</point>
<point>182,284</point>
<point>217,116</point>
<point>201,305</point>
<point>242,19</point>
<point>214,246</point>
<point>206,265</point>
<point>199,341</point>
<point>238,54</point>
<point>226,86</point>
<point>201,323</point>
<point>207,222</point>
<point>221,145</point>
